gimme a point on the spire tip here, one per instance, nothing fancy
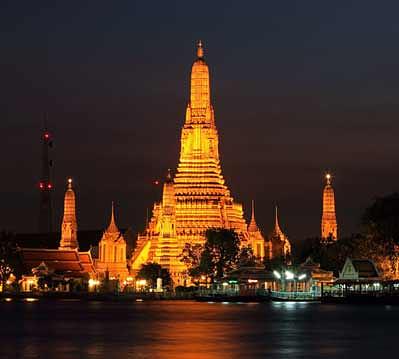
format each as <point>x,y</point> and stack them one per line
<point>200,50</point>
<point>328,178</point>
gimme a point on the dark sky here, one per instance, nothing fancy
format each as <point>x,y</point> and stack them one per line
<point>298,87</point>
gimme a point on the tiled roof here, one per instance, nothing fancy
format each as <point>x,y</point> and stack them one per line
<point>61,261</point>
<point>365,268</point>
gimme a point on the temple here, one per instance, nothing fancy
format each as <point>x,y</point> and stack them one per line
<point>196,198</point>
<point>111,261</point>
<point>278,244</point>
<point>329,228</point>
<point>256,239</point>
<point>66,268</point>
<point>69,228</point>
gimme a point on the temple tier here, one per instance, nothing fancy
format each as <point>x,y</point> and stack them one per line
<point>197,198</point>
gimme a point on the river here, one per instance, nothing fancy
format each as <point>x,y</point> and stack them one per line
<point>179,329</point>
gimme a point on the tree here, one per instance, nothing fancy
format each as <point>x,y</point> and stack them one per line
<point>246,257</point>
<point>220,253</point>
<point>275,263</point>
<point>191,257</point>
<point>8,251</point>
<point>381,219</point>
<point>380,229</point>
<point>151,272</point>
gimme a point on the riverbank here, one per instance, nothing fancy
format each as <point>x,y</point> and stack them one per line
<point>103,297</point>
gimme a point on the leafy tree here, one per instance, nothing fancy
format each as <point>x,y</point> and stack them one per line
<point>380,229</point>
<point>381,219</point>
<point>8,256</point>
<point>220,253</point>
<point>191,257</point>
<point>275,263</point>
<point>246,257</point>
<point>151,272</point>
<point>330,254</point>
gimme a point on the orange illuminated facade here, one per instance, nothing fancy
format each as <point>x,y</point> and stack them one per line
<point>256,239</point>
<point>197,198</point>
<point>112,253</point>
<point>277,244</point>
<point>69,228</point>
<point>329,227</point>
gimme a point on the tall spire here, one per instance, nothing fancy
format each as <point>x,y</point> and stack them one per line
<point>328,220</point>
<point>168,194</point>
<point>277,228</point>
<point>328,178</point>
<point>69,226</point>
<point>200,50</point>
<point>283,246</point>
<point>200,94</point>
<point>253,227</point>
<point>112,227</point>
<point>169,175</point>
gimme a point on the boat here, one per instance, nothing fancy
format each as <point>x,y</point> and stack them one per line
<point>219,298</point>
<point>276,296</point>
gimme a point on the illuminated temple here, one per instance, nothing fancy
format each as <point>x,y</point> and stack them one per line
<point>329,221</point>
<point>196,198</point>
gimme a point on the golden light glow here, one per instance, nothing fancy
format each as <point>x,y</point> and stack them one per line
<point>197,198</point>
<point>93,282</point>
<point>112,252</point>
<point>329,220</point>
<point>69,227</point>
<point>141,282</point>
<point>31,299</point>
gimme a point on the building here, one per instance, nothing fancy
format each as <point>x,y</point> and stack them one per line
<point>359,279</point>
<point>112,253</point>
<point>69,227</point>
<point>197,197</point>
<point>66,268</point>
<point>256,239</point>
<point>359,269</point>
<point>329,228</point>
<point>277,245</point>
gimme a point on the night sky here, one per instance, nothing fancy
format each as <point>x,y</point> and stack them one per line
<point>298,87</point>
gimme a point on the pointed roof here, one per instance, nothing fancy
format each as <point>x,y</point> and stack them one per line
<point>253,227</point>
<point>200,92</point>
<point>277,230</point>
<point>112,227</point>
<point>200,50</point>
<point>169,178</point>
<point>328,179</point>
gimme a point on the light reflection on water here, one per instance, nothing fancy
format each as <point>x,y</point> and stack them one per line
<point>194,330</point>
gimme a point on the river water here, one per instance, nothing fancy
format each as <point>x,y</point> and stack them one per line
<point>177,329</point>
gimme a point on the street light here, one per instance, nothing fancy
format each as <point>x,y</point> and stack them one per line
<point>289,275</point>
